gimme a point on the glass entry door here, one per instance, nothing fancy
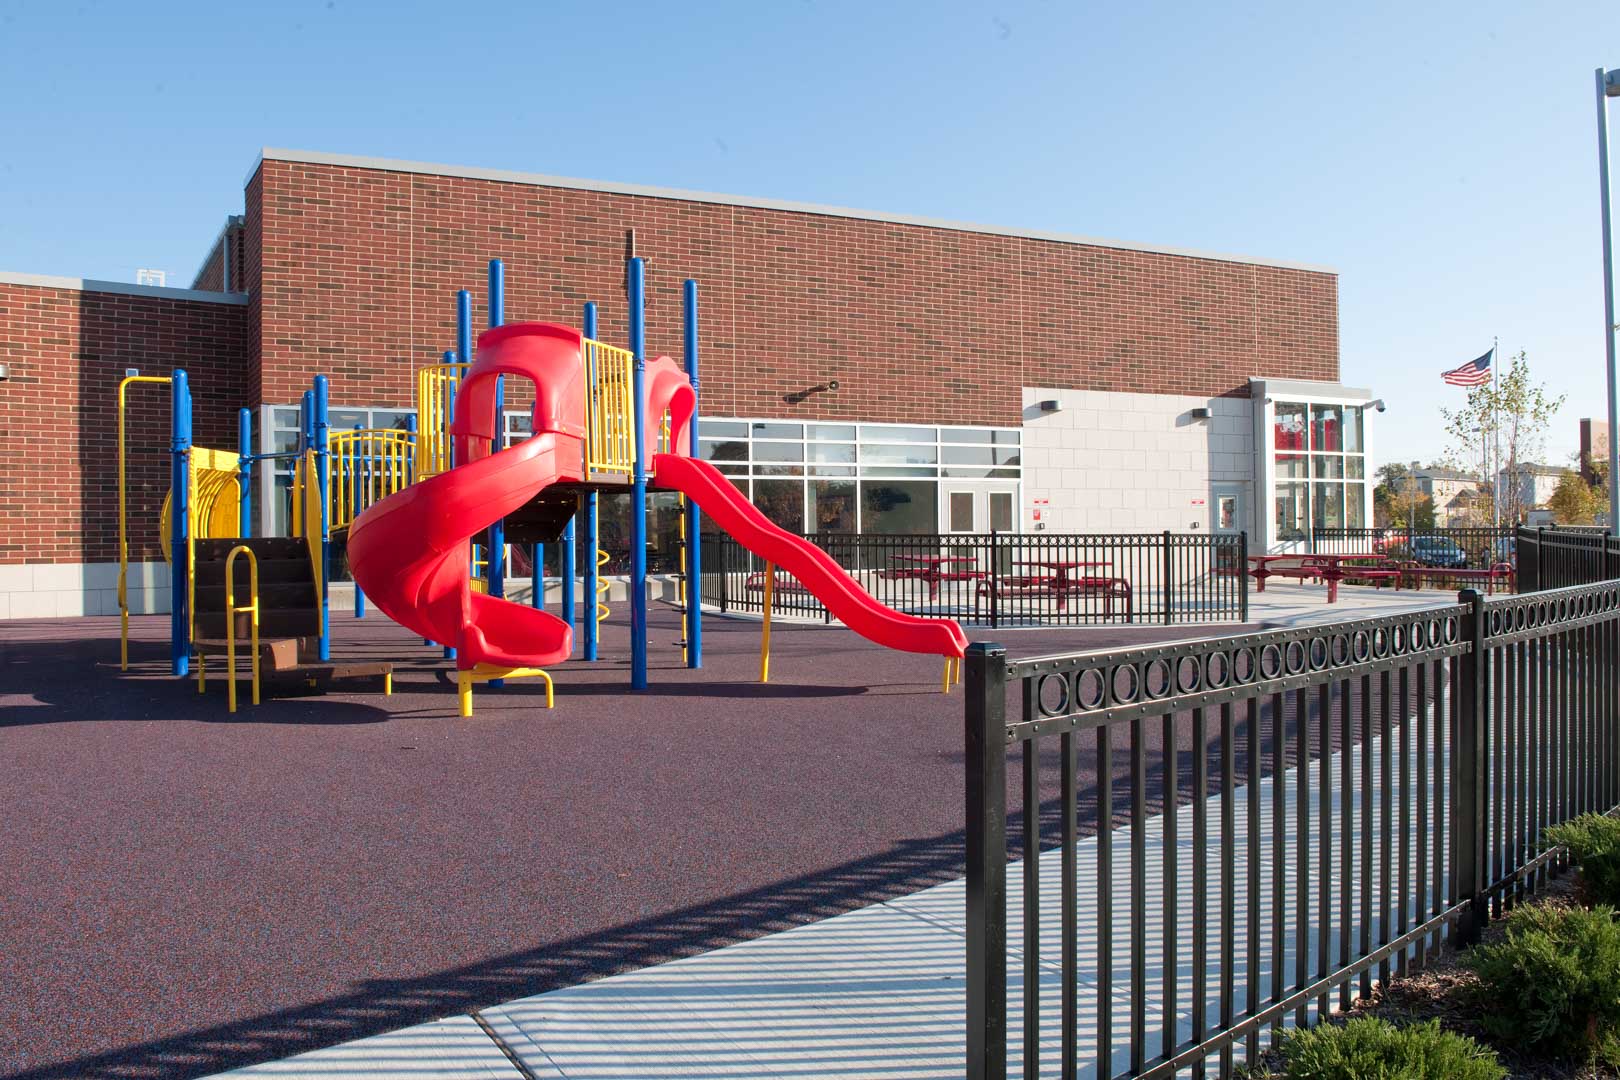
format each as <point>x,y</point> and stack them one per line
<point>979,507</point>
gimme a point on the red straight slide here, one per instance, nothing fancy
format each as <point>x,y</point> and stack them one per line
<point>815,569</point>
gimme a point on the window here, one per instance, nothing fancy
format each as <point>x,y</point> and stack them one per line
<point>831,477</point>
<point>899,506</point>
<point>1322,443</point>
<point>961,511</point>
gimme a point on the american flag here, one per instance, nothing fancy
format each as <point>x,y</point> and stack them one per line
<point>1473,373</point>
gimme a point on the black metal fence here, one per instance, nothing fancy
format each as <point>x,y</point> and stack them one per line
<point>1225,837</point>
<point>1462,549</point>
<point>1008,579</point>
<point>1554,558</point>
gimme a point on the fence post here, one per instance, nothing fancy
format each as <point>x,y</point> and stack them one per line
<point>723,557</point>
<point>1541,565</point>
<point>994,568</point>
<point>1243,576</point>
<point>1167,590</point>
<point>1469,794</point>
<point>985,732</point>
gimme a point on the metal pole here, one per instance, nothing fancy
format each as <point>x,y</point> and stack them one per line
<point>179,521</point>
<point>638,489</point>
<point>1608,82</point>
<point>985,745</point>
<point>1496,425</point>
<point>593,538</point>
<point>449,415</point>
<point>694,545</point>
<point>322,463</point>
<point>497,531</point>
<point>244,462</point>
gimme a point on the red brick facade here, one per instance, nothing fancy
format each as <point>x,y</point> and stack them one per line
<point>360,268</point>
<point>352,271</point>
<point>67,350</point>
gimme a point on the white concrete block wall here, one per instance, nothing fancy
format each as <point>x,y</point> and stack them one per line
<point>1117,462</point>
<point>52,590</point>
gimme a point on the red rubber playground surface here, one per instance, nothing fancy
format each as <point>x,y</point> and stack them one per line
<point>182,891</point>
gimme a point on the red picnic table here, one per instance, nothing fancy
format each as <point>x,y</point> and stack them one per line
<point>1060,584</point>
<point>1329,568</point>
<point>932,569</point>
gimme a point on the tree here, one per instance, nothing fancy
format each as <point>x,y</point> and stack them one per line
<point>1576,501</point>
<point>1399,500</point>
<point>1504,420</point>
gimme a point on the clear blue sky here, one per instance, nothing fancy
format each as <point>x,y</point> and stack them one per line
<point>1441,156</point>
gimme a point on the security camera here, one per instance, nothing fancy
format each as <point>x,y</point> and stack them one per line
<point>832,384</point>
<point>1379,404</point>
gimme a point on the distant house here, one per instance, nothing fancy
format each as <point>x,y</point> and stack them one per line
<point>1463,508</point>
<point>1444,486</point>
<point>1530,484</point>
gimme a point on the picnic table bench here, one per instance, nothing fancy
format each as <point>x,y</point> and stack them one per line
<point>1501,573</point>
<point>1060,585</point>
<point>1331,569</point>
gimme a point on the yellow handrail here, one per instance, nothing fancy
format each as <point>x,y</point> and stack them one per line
<point>123,520</point>
<point>251,608</point>
<point>365,466</point>
<point>436,387</point>
<point>609,405</point>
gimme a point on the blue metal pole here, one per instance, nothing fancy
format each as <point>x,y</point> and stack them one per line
<point>593,535</point>
<point>359,467</point>
<point>638,489</point>
<point>244,461</point>
<point>694,547</point>
<point>566,571</point>
<point>323,460</point>
<point>450,404</point>
<point>537,575</point>
<point>306,421</point>
<point>179,521</point>
<point>497,531</point>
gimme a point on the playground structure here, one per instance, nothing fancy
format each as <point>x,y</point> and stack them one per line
<point>604,419</point>
<point>428,511</point>
<point>206,526</point>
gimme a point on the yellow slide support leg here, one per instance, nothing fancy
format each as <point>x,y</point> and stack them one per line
<point>489,673</point>
<point>765,639</point>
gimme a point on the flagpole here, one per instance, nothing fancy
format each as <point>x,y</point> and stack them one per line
<point>1496,434</point>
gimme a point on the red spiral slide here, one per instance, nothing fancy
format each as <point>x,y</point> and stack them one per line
<point>815,569</point>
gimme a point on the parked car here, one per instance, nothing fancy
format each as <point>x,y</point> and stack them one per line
<point>1504,552</point>
<point>1438,551</point>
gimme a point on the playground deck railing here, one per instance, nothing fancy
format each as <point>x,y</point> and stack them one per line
<point>365,466</point>
<point>1008,579</point>
<point>609,413</point>
<point>436,386</point>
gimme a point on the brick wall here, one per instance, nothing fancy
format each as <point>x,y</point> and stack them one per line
<point>67,350</point>
<point>360,268</point>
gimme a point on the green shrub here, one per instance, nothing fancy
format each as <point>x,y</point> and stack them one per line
<point>1594,840</point>
<point>1552,985</point>
<point>1371,1049</point>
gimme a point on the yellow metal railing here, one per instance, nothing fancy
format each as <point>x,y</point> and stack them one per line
<point>232,610</point>
<point>364,467</point>
<point>123,520</point>
<point>436,387</point>
<point>609,408</point>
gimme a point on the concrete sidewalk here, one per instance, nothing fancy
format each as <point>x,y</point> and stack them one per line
<point>879,992</point>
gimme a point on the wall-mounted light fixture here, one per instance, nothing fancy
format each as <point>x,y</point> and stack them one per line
<point>1050,405</point>
<point>1198,414</point>
<point>797,396</point>
<point>5,371</point>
